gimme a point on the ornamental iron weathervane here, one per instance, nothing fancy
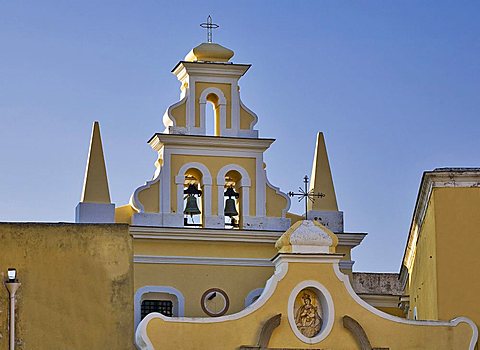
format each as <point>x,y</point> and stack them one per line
<point>209,26</point>
<point>306,195</point>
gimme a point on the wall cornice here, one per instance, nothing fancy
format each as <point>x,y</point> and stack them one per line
<point>221,235</point>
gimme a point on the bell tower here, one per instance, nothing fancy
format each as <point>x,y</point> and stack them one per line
<point>210,181</point>
<point>207,76</point>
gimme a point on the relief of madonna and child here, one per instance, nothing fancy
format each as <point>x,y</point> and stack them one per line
<point>308,313</point>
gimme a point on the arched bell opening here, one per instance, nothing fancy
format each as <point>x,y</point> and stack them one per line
<point>212,115</point>
<point>193,199</point>
<point>232,204</point>
<point>212,108</point>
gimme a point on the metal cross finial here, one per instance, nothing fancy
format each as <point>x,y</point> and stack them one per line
<point>209,26</point>
<point>305,194</point>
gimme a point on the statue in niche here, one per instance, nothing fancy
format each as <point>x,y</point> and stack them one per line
<point>307,316</point>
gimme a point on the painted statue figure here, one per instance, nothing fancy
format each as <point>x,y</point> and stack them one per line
<point>307,318</point>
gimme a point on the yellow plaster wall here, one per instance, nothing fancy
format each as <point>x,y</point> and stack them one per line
<point>395,311</point>
<point>275,203</point>
<point>193,280</point>
<point>77,286</point>
<point>214,164</point>
<point>457,218</point>
<point>150,198</point>
<point>123,214</point>
<point>346,250</point>
<point>294,217</point>
<point>180,114</point>
<point>245,330</point>
<point>225,88</point>
<point>203,249</point>
<point>246,119</point>
<point>423,275</point>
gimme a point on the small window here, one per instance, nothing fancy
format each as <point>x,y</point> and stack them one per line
<point>164,307</point>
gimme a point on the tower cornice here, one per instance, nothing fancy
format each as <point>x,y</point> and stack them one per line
<point>158,140</point>
<point>184,68</point>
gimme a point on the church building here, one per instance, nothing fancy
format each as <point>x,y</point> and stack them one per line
<point>207,254</point>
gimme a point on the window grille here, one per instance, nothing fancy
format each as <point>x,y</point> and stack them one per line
<point>165,307</point>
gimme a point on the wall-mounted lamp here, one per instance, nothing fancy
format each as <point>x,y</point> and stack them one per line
<point>12,285</point>
<point>12,275</point>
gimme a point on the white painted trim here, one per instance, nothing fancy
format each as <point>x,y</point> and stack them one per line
<point>252,295</point>
<point>215,91</point>
<point>191,101</point>
<point>260,188</point>
<point>235,108</point>
<point>157,289</point>
<point>200,260</point>
<point>350,239</point>
<point>95,213</point>
<point>245,181</point>
<point>165,184</point>
<point>206,176</point>
<point>328,311</point>
<point>452,323</point>
<point>346,264</point>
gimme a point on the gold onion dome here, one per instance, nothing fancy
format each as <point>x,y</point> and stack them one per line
<point>209,52</point>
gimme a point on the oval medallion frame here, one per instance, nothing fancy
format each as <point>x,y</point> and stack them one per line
<point>328,311</point>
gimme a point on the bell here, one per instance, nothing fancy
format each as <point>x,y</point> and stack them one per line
<point>230,208</point>
<point>191,208</point>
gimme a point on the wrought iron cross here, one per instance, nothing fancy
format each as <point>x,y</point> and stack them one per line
<point>305,194</point>
<point>209,26</point>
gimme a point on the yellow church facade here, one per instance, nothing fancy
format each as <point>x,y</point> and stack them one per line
<point>180,257</point>
<point>207,255</point>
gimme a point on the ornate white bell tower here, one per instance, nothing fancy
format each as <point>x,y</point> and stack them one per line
<point>230,159</point>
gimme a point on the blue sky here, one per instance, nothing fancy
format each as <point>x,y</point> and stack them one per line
<point>393,85</point>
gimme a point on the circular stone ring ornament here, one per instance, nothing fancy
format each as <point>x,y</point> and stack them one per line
<point>215,302</point>
<point>310,312</point>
